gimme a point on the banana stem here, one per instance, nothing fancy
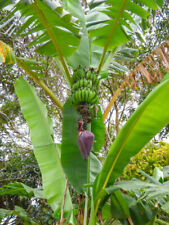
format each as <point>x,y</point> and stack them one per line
<point>87,194</point>
<point>86,209</point>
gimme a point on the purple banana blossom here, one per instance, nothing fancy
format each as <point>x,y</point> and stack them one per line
<point>85,142</point>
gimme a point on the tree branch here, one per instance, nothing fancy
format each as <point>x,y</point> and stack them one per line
<point>122,85</point>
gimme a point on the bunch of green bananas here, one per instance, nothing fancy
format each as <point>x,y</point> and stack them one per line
<point>85,87</point>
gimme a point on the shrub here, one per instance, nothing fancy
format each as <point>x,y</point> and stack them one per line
<point>153,155</point>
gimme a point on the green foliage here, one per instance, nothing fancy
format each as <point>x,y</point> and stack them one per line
<point>147,159</point>
<point>21,190</point>
<point>114,29</point>
<point>18,211</point>
<point>129,207</point>
<point>128,141</point>
<point>151,194</point>
<point>20,165</point>
<point>142,213</point>
<point>73,163</point>
<point>41,17</point>
<point>82,55</point>
<point>119,206</point>
<point>98,129</point>
<point>45,150</point>
<point>110,24</point>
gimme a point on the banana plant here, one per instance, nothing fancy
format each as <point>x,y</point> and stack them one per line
<point>83,44</point>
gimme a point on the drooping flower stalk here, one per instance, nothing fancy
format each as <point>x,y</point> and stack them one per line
<point>85,140</point>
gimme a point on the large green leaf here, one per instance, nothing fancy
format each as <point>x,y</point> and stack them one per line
<point>165,207</point>
<point>18,188</point>
<point>117,28</point>
<point>151,116</point>
<point>106,211</point>
<point>56,31</point>
<point>73,163</point>
<point>36,67</point>
<point>100,35</point>
<point>132,185</point>
<point>152,188</point>
<point>44,148</point>
<point>82,55</point>
<point>95,167</point>
<point>150,3</point>
<point>119,206</point>
<point>142,213</point>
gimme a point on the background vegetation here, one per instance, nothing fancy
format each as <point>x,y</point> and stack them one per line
<point>28,205</point>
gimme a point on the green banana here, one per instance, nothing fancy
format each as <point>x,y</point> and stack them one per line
<point>97,82</point>
<point>75,76</point>
<point>77,84</point>
<point>78,74</point>
<point>86,94</point>
<point>81,73</point>
<point>89,75</point>
<point>94,77</point>
<point>91,95</point>
<point>74,98</point>
<point>81,83</point>
<point>85,82</point>
<point>73,87</point>
<point>79,96</point>
<point>85,86</point>
<point>89,92</point>
<point>94,100</point>
<point>89,84</point>
<point>83,95</point>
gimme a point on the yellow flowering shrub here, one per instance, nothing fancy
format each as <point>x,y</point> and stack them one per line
<point>153,155</point>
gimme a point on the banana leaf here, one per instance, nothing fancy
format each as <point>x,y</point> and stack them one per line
<point>73,163</point>
<point>45,150</point>
<point>82,55</point>
<point>57,32</point>
<point>150,117</point>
